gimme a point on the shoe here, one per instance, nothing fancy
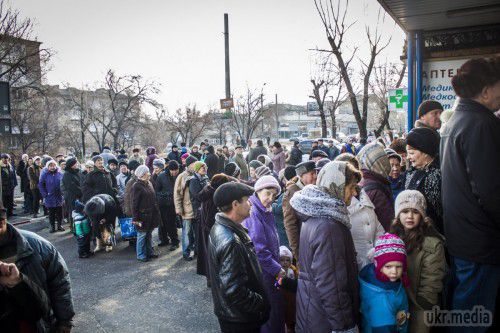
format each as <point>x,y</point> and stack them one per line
<point>52,230</point>
<point>188,258</point>
<point>174,247</point>
<point>153,256</point>
<point>60,228</point>
<point>143,260</point>
<point>84,256</point>
<point>35,216</point>
<point>163,244</point>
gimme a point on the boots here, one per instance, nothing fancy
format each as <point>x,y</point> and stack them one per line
<point>60,228</point>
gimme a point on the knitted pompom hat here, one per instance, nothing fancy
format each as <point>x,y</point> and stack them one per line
<point>389,247</point>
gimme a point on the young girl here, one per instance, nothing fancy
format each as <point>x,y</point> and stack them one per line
<point>426,258</point>
<point>289,288</point>
<point>384,304</point>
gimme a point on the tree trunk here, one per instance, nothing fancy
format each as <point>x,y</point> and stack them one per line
<point>334,124</point>
<point>324,131</point>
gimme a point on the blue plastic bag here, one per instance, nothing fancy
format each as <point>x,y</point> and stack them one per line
<point>127,228</point>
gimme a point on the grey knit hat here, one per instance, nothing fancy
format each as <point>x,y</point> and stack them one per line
<point>262,171</point>
<point>410,199</point>
<point>141,171</point>
<point>159,163</point>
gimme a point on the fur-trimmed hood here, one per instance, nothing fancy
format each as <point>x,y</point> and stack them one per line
<point>312,202</point>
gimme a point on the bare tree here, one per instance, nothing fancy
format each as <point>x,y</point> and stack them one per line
<point>126,94</point>
<point>189,123</point>
<point>321,81</point>
<point>333,15</point>
<point>386,76</point>
<point>248,114</point>
<point>221,124</point>
<point>337,98</point>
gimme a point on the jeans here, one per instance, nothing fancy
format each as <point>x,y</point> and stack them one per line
<point>187,237</point>
<point>475,284</point>
<point>144,246</point>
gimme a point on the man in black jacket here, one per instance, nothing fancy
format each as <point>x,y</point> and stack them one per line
<point>164,188</point>
<point>240,302</point>
<point>99,181</point>
<point>43,285</point>
<point>257,151</point>
<point>295,156</point>
<point>470,164</point>
<point>212,162</point>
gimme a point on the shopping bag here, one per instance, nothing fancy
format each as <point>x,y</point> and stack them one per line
<point>127,228</point>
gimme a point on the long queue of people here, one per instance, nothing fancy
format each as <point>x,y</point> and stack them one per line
<point>368,238</point>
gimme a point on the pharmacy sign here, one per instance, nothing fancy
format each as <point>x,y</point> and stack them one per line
<point>398,100</point>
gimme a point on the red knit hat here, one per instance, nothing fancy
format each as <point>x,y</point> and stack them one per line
<point>389,247</point>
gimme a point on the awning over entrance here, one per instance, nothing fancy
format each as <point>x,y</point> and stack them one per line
<point>442,14</point>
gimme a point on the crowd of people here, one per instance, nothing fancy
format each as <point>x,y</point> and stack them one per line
<point>365,237</point>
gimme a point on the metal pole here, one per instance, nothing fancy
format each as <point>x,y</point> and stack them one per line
<point>410,51</point>
<point>226,45</point>
<point>418,71</point>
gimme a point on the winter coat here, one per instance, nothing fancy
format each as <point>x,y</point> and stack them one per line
<point>127,196</point>
<point>174,156</point>
<point>324,149</point>
<point>7,177</point>
<point>328,293</point>
<point>40,261</point>
<point>144,206</point>
<point>278,218</point>
<point>290,219</point>
<point>295,156</point>
<point>428,182</point>
<point>365,227</point>
<point>50,188</point>
<point>235,275</point>
<point>379,192</point>
<point>255,152</point>
<point>182,201</point>
<point>196,184</point>
<point>333,152</point>
<point>99,182</point>
<point>71,187</point>
<point>139,159</point>
<point>426,271</point>
<point>121,182</point>
<point>397,185</point>
<point>382,303</point>
<point>212,162</point>
<point>242,164</point>
<point>151,156</point>
<point>34,176</point>
<point>262,231</point>
<point>469,165</point>
<point>279,160</point>
<point>165,189</point>
<point>21,171</point>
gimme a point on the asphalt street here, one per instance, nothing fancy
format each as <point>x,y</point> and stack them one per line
<point>113,292</point>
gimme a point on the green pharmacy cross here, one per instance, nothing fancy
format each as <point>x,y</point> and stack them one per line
<point>398,99</point>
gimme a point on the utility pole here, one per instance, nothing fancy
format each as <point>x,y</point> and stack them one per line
<point>226,44</point>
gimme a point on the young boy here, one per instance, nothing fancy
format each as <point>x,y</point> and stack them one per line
<point>82,230</point>
<point>288,286</point>
<point>384,304</point>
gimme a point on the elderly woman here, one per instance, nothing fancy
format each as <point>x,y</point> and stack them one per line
<point>278,157</point>
<point>262,230</point>
<point>50,188</point>
<point>328,292</point>
<point>145,213</point>
<point>424,174</point>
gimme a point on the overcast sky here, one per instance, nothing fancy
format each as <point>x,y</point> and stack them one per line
<point>181,43</point>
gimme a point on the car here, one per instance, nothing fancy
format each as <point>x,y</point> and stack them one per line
<point>305,146</point>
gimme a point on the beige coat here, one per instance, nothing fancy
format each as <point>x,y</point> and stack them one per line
<point>292,223</point>
<point>426,270</point>
<point>182,200</point>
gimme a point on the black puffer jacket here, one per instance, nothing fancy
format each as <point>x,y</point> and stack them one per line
<point>99,182</point>
<point>212,162</point>
<point>196,184</point>
<point>71,187</point>
<point>235,275</point>
<point>470,164</point>
<point>164,188</point>
<point>41,262</point>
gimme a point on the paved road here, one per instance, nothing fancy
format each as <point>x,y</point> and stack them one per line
<point>113,292</point>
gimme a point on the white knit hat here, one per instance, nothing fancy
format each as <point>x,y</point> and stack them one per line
<point>410,199</point>
<point>285,252</point>
<point>267,182</point>
<point>141,171</point>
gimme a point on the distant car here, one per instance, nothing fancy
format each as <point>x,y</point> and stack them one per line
<point>305,146</point>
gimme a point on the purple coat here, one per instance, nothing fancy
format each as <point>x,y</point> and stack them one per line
<point>264,235</point>
<point>50,188</point>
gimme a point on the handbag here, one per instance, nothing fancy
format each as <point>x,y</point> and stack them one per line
<point>127,228</point>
